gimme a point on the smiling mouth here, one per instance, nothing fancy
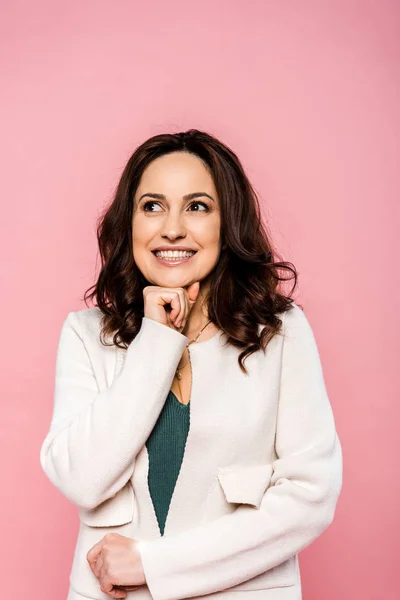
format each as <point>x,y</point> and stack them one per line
<point>173,260</point>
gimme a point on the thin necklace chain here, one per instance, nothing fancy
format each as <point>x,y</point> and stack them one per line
<point>178,373</point>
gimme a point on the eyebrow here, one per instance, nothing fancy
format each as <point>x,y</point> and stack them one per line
<point>185,197</point>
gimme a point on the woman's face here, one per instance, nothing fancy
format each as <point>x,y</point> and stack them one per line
<point>171,221</point>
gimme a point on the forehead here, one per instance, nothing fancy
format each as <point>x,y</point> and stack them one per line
<point>176,171</point>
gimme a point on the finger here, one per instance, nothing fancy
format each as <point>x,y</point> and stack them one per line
<point>188,307</point>
<point>98,567</point>
<point>167,299</point>
<point>110,589</point>
<point>94,552</point>
<point>172,298</point>
<point>182,313</point>
<point>128,588</point>
<point>193,291</point>
<point>176,307</point>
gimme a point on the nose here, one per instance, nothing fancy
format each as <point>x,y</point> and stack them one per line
<point>173,225</point>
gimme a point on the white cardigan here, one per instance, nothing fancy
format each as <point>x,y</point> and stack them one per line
<point>261,473</point>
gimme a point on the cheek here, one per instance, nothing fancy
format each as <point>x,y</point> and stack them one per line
<point>212,240</point>
<point>142,232</point>
<point>211,252</point>
<point>208,233</point>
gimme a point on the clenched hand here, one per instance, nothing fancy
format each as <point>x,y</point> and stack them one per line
<point>116,562</point>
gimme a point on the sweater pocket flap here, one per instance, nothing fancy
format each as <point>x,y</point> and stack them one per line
<point>245,484</point>
<point>117,510</point>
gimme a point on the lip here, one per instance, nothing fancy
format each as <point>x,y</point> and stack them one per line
<point>166,248</point>
<point>173,263</point>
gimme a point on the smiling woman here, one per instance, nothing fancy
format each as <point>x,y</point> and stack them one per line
<point>195,475</point>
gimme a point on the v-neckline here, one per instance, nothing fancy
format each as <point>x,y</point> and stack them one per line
<point>178,401</point>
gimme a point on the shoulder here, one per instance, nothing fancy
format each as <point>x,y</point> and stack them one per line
<point>294,318</point>
<point>291,318</point>
<point>85,322</point>
<point>90,318</point>
<point>82,329</point>
<point>295,324</point>
<point>298,334</point>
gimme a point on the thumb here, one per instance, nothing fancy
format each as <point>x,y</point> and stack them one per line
<point>193,291</point>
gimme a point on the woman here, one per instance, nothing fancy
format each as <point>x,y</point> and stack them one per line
<point>191,423</point>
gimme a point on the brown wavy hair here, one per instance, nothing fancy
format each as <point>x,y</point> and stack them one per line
<point>244,284</point>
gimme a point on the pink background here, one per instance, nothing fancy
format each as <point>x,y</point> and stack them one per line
<point>307,94</point>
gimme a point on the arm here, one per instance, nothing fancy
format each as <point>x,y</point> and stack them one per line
<point>94,437</point>
<point>295,510</point>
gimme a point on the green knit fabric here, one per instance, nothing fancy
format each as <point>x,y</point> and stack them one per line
<point>166,446</point>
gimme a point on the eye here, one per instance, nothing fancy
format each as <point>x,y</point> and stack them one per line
<point>202,204</point>
<point>147,203</point>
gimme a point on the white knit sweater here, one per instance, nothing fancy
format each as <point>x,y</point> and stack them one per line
<point>261,473</point>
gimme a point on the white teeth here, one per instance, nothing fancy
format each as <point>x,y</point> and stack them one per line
<point>173,254</point>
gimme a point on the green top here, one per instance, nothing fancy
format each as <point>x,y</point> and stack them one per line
<point>166,446</point>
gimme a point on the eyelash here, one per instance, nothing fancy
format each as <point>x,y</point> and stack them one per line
<point>195,202</point>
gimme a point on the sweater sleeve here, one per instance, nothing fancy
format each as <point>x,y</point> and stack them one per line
<point>297,507</point>
<point>94,436</point>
